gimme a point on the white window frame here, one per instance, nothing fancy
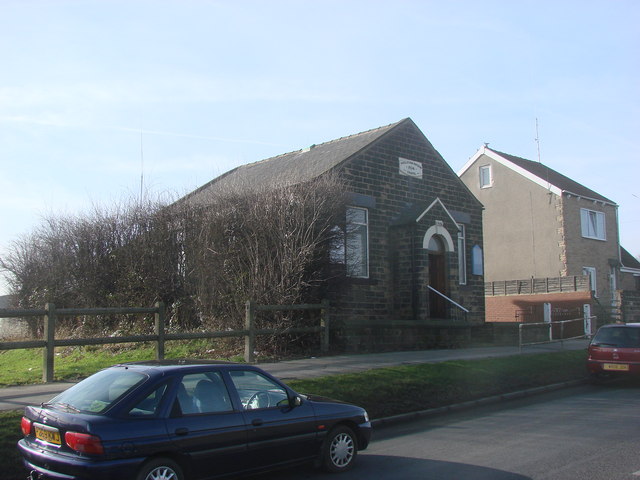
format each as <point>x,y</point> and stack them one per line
<point>485,179</point>
<point>593,283</point>
<point>593,224</point>
<point>357,244</point>
<point>462,255</point>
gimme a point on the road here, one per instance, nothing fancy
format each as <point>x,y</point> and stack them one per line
<point>585,433</point>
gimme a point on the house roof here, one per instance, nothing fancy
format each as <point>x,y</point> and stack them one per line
<point>628,261</point>
<point>299,166</point>
<point>561,181</point>
<point>540,173</point>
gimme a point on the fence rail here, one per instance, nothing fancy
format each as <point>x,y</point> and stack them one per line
<point>532,286</point>
<point>160,336</point>
<point>587,330</point>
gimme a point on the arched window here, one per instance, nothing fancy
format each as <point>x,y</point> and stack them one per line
<point>476,259</point>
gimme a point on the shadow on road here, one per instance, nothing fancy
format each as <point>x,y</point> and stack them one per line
<point>383,467</point>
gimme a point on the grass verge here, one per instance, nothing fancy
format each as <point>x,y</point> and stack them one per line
<point>12,468</point>
<point>409,388</point>
<point>21,367</point>
<point>391,391</point>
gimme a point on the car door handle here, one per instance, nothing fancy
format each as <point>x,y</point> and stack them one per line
<point>182,431</point>
<point>256,422</point>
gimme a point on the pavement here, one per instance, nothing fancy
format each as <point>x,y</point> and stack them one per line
<point>17,397</point>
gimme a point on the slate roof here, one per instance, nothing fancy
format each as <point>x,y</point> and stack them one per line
<point>549,175</point>
<point>299,166</point>
<point>628,260</point>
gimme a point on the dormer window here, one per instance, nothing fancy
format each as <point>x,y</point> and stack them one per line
<point>486,179</point>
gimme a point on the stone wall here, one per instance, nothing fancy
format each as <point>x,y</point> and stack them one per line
<point>396,288</point>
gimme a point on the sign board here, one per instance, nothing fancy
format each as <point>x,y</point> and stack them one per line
<point>410,168</point>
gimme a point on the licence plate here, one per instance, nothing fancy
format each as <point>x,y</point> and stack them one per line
<point>48,434</point>
<point>623,367</point>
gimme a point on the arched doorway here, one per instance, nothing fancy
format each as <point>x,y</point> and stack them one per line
<point>437,277</point>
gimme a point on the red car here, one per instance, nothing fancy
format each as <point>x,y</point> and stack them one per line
<point>615,351</point>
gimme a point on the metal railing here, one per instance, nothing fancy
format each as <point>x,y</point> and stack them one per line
<point>459,313</point>
<point>586,331</point>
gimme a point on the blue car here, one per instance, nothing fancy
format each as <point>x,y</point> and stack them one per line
<point>178,420</point>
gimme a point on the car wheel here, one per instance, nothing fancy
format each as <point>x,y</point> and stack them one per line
<point>339,450</point>
<point>160,469</point>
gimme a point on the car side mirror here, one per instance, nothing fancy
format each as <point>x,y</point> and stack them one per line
<point>296,401</point>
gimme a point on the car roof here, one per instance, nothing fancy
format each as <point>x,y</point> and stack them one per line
<point>179,362</point>
<point>155,367</point>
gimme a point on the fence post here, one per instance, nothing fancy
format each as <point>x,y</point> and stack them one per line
<point>250,336</point>
<point>588,327</point>
<point>49,337</point>
<point>520,337</point>
<point>547,318</point>
<point>160,316</point>
<point>324,323</point>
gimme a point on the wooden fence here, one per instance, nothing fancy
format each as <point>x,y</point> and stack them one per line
<point>50,314</point>
<point>532,286</point>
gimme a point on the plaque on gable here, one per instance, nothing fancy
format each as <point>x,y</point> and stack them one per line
<point>410,168</point>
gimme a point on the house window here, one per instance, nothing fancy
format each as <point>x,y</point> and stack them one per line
<point>336,247</point>
<point>357,242</point>
<point>486,179</point>
<point>462,256</point>
<point>591,272</point>
<point>593,225</point>
<point>477,267</point>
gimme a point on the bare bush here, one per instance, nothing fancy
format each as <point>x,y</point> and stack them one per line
<point>109,257</point>
<point>203,257</point>
<point>267,244</point>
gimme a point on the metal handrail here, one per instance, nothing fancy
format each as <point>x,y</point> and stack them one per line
<point>448,299</point>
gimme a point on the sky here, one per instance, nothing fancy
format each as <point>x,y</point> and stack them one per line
<point>101,98</point>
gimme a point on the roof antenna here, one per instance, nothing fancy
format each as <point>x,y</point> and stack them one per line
<point>538,140</point>
<point>141,167</point>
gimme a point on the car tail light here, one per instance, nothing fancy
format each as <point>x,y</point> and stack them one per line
<point>25,425</point>
<point>84,443</point>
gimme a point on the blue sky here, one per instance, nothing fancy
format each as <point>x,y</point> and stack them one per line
<point>204,86</point>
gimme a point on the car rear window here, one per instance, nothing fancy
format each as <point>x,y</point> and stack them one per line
<point>621,337</point>
<point>98,392</point>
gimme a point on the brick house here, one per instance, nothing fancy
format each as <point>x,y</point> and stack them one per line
<point>412,264</point>
<point>551,225</point>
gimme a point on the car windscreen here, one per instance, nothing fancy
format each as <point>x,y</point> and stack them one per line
<point>98,392</point>
<point>620,337</point>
